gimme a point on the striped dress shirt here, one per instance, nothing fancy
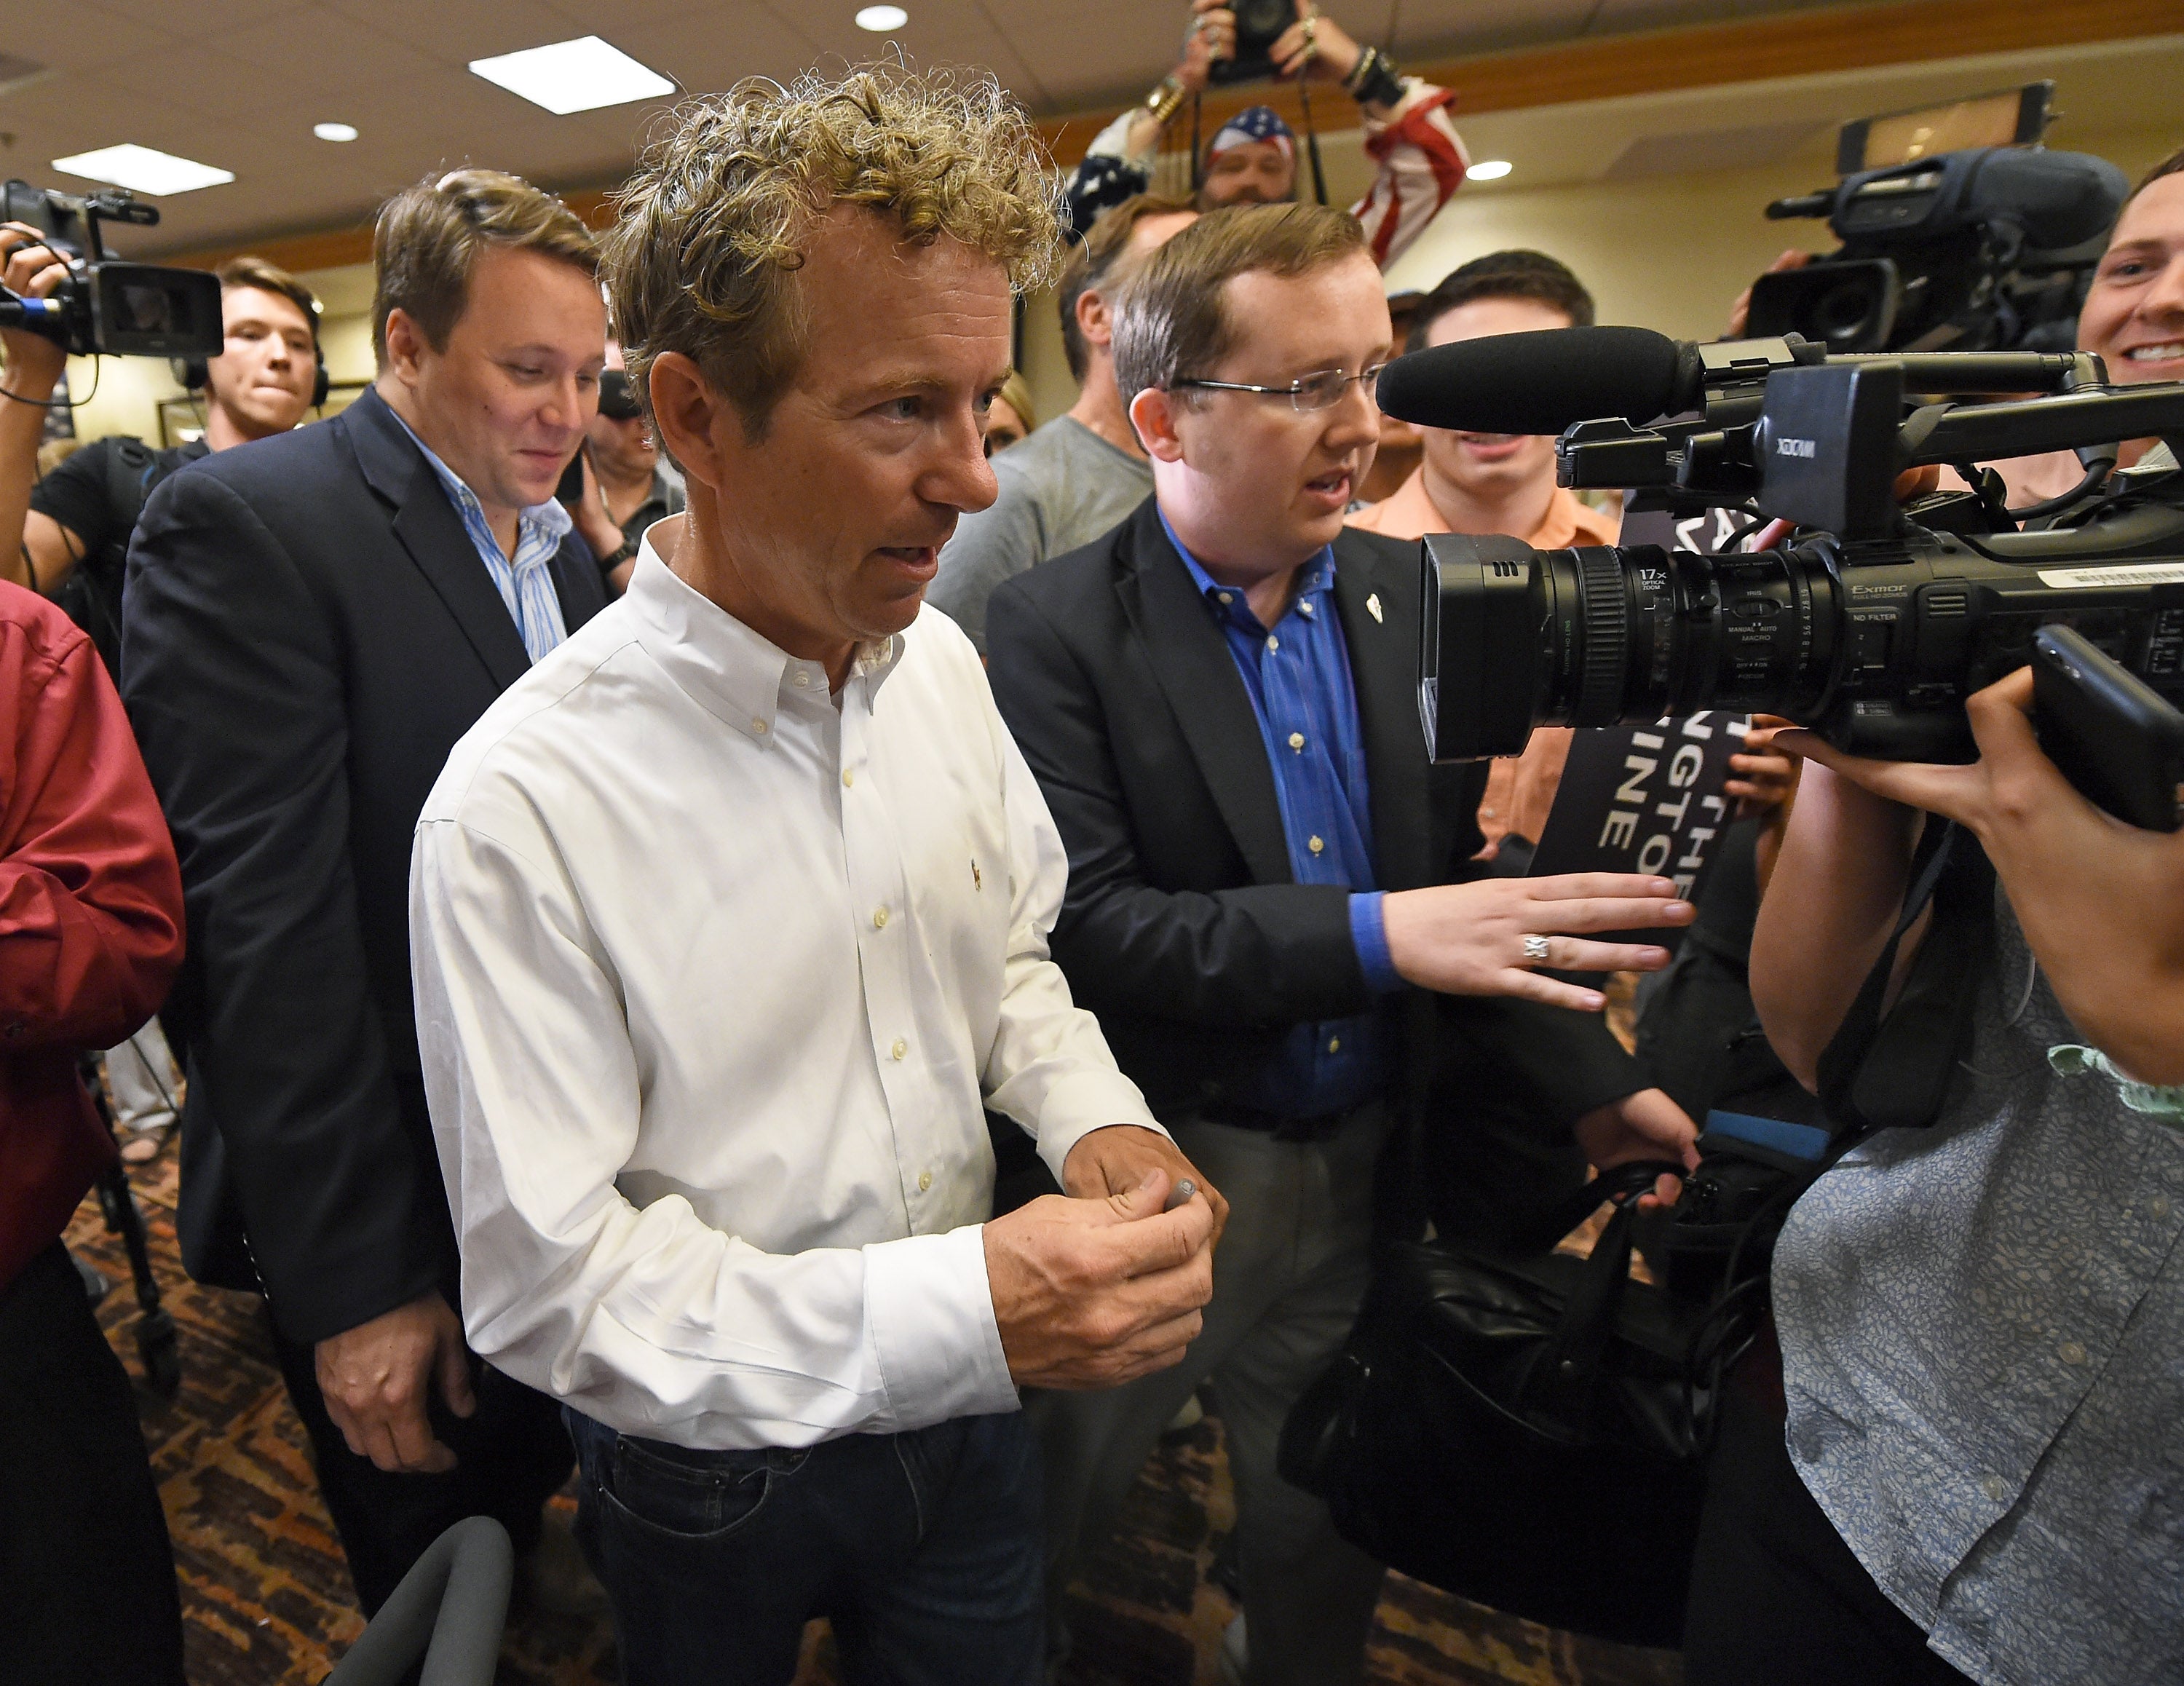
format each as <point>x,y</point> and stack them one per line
<point>525,581</point>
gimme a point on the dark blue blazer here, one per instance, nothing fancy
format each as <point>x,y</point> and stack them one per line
<point>307,632</point>
<point>1183,928</point>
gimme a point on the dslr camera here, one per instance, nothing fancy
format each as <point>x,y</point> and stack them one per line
<point>1259,25</point>
<point>1878,618</point>
<point>107,307</point>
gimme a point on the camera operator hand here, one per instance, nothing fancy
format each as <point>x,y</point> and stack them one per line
<point>34,365</point>
<point>1472,939</point>
<point>1740,312</point>
<point>2101,902</point>
<point>1094,1293</point>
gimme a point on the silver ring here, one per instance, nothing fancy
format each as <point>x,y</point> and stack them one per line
<point>1535,948</point>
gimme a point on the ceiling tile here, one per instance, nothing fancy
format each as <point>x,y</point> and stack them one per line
<point>1617,17</point>
<point>456,31</point>
<point>77,36</point>
<point>343,54</point>
<point>199,16</point>
<point>706,58</point>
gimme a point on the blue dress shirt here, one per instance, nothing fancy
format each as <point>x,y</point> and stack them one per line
<point>1297,674</point>
<point>526,581</point>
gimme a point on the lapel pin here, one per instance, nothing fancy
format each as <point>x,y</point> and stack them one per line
<point>1373,607</point>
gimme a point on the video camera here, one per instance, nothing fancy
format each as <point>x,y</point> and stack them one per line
<point>107,307</point>
<point>1957,234</point>
<point>1876,623</point>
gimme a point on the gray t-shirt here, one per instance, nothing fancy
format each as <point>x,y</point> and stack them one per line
<point>1063,488</point>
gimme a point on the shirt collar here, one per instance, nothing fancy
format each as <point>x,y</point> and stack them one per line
<point>548,519</point>
<point>1314,580</point>
<point>729,671</point>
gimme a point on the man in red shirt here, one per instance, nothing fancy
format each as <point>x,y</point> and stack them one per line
<point>91,935</point>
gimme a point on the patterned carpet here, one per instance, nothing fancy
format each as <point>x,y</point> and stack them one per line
<point>266,1599</point>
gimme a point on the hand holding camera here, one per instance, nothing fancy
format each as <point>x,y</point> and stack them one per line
<point>33,270</point>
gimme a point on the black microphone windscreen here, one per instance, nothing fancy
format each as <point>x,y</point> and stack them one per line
<point>1539,382</point>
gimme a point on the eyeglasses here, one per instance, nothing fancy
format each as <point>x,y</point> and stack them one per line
<point>1322,389</point>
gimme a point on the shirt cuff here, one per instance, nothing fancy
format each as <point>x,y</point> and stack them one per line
<point>1082,1102</point>
<point>1368,931</point>
<point>930,1311</point>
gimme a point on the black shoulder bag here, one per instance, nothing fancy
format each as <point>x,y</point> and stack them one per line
<point>1526,1428</point>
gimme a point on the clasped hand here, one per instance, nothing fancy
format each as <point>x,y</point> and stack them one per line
<point>1101,1288</point>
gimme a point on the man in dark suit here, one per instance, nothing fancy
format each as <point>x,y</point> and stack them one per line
<point>1272,900</point>
<point>311,623</point>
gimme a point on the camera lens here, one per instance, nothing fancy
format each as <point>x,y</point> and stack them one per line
<point>1606,635</point>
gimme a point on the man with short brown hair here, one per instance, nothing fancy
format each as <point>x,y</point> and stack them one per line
<point>1079,476</point>
<point>311,622</point>
<point>1268,903</point>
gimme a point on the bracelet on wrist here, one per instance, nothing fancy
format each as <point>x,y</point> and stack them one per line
<point>1375,80</point>
<point>1165,100</point>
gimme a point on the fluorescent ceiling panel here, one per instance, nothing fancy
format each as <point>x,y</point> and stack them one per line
<point>142,170</point>
<point>583,75</point>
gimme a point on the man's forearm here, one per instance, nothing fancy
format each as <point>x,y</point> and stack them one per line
<point>1836,891</point>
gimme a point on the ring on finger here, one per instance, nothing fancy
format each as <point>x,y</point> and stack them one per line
<point>1535,948</point>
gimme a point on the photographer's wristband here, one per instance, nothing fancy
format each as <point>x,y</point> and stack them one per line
<point>1376,81</point>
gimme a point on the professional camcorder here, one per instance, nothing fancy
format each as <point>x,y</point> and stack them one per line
<point>1948,242</point>
<point>107,307</point>
<point>1875,622</point>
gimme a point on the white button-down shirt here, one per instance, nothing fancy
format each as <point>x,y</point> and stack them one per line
<point>714,970</point>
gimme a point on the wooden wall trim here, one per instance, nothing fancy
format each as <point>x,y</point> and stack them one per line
<point>1657,61</point>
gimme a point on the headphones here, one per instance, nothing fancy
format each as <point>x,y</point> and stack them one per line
<point>191,373</point>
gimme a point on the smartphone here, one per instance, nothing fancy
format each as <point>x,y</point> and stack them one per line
<point>571,488</point>
<point>2118,741</point>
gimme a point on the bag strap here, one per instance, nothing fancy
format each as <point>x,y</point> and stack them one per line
<point>1880,1073</point>
<point>1568,1379</point>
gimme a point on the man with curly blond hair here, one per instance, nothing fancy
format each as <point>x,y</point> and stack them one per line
<point>732,917</point>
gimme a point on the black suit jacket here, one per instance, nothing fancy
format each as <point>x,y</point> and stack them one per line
<point>308,630</point>
<point>1183,928</point>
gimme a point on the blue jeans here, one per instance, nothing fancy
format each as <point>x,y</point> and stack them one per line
<point>923,1550</point>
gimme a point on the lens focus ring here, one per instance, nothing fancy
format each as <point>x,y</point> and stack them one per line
<point>1605,618</point>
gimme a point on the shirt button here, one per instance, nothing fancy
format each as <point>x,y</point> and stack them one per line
<point>879,919</point>
<point>1335,1045</point>
<point>1304,609</point>
<point>901,1048</point>
<point>759,727</point>
<point>802,678</point>
<point>1297,741</point>
<point>2071,1353</point>
<point>1273,642</point>
<point>1996,1488</point>
<point>2157,1207</point>
<point>848,778</point>
<point>924,1181</point>
<point>1316,845</point>
<point>1226,597</point>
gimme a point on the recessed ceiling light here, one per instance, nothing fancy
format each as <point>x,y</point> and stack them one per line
<point>141,170</point>
<point>879,19</point>
<point>1489,170</point>
<point>334,131</point>
<point>573,75</point>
